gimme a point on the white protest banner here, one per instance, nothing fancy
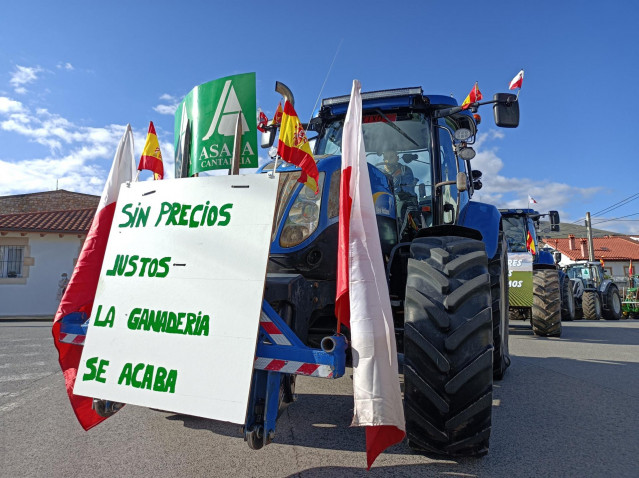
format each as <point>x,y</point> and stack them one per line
<point>175,319</point>
<point>520,279</point>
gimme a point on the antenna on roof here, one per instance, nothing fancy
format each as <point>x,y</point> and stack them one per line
<point>326,78</point>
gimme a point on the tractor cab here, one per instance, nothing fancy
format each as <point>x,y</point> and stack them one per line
<point>416,151</point>
<point>521,229</point>
<point>517,223</point>
<point>589,273</point>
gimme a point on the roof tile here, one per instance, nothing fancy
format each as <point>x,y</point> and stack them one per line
<point>607,248</point>
<point>77,221</point>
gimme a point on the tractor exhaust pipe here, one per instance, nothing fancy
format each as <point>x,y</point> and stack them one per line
<point>284,90</point>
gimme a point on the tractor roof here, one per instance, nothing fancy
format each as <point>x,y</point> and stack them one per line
<point>395,98</point>
<point>519,212</point>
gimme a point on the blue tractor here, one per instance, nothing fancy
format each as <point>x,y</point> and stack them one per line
<point>445,255</point>
<point>551,299</point>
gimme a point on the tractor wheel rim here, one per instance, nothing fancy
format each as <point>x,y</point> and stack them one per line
<point>616,304</point>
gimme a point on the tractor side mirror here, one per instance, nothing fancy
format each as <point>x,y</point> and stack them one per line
<point>409,157</point>
<point>506,110</point>
<point>268,137</point>
<point>554,221</point>
<point>557,256</point>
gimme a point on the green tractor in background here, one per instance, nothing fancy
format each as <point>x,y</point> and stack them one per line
<point>595,296</point>
<point>630,303</point>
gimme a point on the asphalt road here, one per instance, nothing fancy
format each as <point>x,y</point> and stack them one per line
<point>567,407</point>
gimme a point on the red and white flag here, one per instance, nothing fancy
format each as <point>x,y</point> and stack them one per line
<point>363,301</point>
<point>531,199</point>
<point>80,292</point>
<point>517,80</point>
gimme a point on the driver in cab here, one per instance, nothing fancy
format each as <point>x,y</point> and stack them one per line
<point>403,181</point>
<point>400,174</point>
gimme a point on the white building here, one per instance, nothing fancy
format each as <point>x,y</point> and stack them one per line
<point>41,236</point>
<point>616,252</point>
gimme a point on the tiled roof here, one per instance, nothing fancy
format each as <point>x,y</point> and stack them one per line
<point>76,221</point>
<point>607,248</point>
<point>50,193</point>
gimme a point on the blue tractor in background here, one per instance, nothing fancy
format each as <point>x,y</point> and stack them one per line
<point>552,299</point>
<point>445,255</point>
<point>596,296</point>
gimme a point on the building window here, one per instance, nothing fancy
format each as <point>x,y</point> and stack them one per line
<point>11,261</point>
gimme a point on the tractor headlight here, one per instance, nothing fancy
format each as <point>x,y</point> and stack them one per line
<point>303,217</point>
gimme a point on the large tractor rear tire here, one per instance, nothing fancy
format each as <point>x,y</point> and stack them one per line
<point>498,270</point>
<point>448,347</point>
<point>591,305</point>
<point>567,300</point>
<point>546,309</point>
<point>613,306</point>
<point>578,293</point>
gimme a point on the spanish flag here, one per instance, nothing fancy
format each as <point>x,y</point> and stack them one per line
<point>473,96</point>
<point>151,156</point>
<point>530,244</point>
<point>277,117</point>
<point>293,147</point>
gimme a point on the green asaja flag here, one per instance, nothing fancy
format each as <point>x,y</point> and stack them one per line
<point>211,110</point>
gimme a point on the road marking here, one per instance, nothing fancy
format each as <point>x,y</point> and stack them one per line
<point>10,406</point>
<point>26,354</point>
<point>26,339</point>
<point>10,394</point>
<point>31,345</point>
<point>25,376</point>
<point>31,364</point>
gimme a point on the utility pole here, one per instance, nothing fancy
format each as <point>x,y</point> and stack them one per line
<point>591,249</point>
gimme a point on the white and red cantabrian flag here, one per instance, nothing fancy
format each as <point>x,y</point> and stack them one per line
<point>80,292</point>
<point>151,155</point>
<point>517,81</point>
<point>363,302</point>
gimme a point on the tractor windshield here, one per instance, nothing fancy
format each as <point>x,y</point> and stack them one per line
<point>515,231</point>
<point>397,144</point>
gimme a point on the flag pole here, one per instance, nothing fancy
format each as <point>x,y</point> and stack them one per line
<point>237,144</point>
<point>274,165</point>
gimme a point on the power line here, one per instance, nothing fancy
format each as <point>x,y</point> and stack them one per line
<point>618,218</point>
<point>619,204</point>
<point>616,205</point>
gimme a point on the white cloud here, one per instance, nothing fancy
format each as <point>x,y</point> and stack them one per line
<point>23,76</point>
<point>79,157</point>
<point>511,192</point>
<point>7,105</point>
<point>167,109</point>
<point>65,66</point>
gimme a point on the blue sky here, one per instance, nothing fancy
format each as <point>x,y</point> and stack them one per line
<point>73,74</point>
